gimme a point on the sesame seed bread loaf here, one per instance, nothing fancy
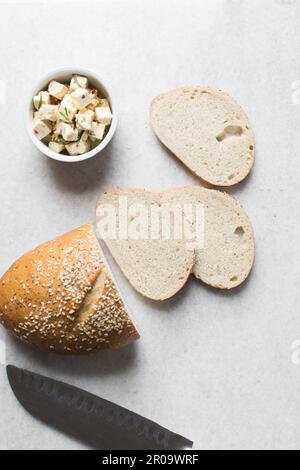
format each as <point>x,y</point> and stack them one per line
<point>227,257</point>
<point>208,131</point>
<point>156,266</point>
<point>61,297</point>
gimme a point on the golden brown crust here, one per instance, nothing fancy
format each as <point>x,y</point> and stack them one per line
<point>43,298</point>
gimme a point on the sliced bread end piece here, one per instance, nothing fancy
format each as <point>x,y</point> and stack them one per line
<point>208,131</point>
<point>227,257</point>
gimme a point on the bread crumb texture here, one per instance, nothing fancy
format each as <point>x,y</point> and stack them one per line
<point>61,297</point>
<point>208,131</point>
<point>157,268</point>
<point>227,257</point>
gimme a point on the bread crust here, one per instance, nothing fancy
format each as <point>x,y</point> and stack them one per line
<point>201,168</point>
<point>61,297</point>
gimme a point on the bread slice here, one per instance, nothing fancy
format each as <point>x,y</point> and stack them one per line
<point>157,266</point>
<point>62,298</point>
<point>208,131</point>
<point>227,257</point>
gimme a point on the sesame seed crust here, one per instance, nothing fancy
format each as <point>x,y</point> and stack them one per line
<point>61,297</point>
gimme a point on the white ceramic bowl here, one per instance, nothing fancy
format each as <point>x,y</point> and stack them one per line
<point>64,75</point>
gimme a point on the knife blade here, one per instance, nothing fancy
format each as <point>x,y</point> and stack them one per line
<point>97,422</point>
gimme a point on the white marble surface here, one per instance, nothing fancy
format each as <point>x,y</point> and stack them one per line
<point>215,367</point>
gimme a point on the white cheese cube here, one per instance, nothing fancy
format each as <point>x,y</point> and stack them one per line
<point>69,133</point>
<point>48,112</point>
<point>67,109</point>
<point>85,136</point>
<point>41,98</point>
<point>58,90</point>
<point>94,104</point>
<point>84,121</point>
<point>88,112</point>
<point>41,129</point>
<point>78,82</point>
<point>97,131</point>
<point>103,115</point>
<point>81,98</point>
<point>78,148</point>
<point>56,146</point>
<point>57,130</point>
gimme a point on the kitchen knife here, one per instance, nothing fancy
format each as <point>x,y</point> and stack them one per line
<point>97,422</point>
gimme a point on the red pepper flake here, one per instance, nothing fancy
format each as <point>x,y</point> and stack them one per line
<point>93,91</point>
<point>36,132</point>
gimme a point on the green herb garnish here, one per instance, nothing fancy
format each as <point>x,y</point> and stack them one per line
<point>64,142</point>
<point>65,114</point>
<point>76,80</point>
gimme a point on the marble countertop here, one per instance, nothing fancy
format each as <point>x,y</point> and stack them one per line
<point>216,367</point>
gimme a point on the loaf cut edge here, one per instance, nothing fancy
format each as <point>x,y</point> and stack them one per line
<point>60,297</point>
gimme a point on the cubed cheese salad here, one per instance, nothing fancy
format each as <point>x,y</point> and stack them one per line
<point>71,118</point>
